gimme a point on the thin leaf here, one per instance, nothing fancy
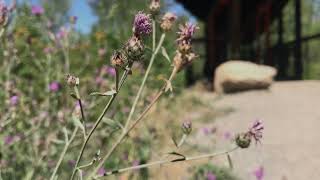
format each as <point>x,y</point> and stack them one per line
<point>78,123</point>
<point>230,161</point>
<point>108,93</point>
<point>174,141</point>
<point>177,154</point>
<point>65,132</point>
<point>74,96</point>
<point>165,54</point>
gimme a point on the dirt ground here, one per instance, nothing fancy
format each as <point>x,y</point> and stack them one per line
<point>290,148</point>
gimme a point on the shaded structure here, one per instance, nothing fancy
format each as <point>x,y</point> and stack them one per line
<point>240,29</point>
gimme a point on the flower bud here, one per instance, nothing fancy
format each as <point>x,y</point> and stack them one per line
<point>72,81</point>
<point>118,59</point>
<point>154,7</point>
<point>167,21</point>
<point>243,140</point>
<point>186,127</point>
<point>134,48</point>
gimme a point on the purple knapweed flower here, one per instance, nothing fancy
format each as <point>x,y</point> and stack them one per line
<point>14,100</point>
<point>73,19</point>
<point>255,130</point>
<point>37,10</point>
<point>211,176</point>
<point>101,171</point>
<point>54,86</point>
<point>111,71</point>
<point>186,32</point>
<point>62,33</point>
<point>9,140</point>
<point>142,24</point>
<point>259,173</point>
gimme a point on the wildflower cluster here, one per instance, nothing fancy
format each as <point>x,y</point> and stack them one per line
<point>184,54</point>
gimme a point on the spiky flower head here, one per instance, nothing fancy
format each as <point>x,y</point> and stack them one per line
<point>181,60</point>
<point>154,7</point>
<point>186,127</point>
<point>37,10</point>
<point>134,49</point>
<point>167,21</point>
<point>72,81</point>
<point>186,32</point>
<point>3,13</point>
<point>243,140</point>
<point>142,24</point>
<point>118,59</point>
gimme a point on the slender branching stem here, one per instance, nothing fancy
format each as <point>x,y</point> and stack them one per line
<point>133,125</point>
<point>153,35</point>
<point>154,54</point>
<point>168,161</point>
<point>76,89</point>
<point>98,121</point>
<point>63,153</point>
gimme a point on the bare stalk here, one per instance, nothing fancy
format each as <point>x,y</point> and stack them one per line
<point>98,121</point>
<point>144,80</point>
<point>133,125</point>
<point>64,151</point>
<point>168,161</point>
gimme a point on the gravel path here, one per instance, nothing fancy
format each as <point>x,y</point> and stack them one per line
<point>290,147</point>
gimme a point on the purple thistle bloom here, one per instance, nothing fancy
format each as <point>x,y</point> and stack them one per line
<point>54,86</point>
<point>101,171</point>
<point>37,10</point>
<point>211,176</point>
<point>9,140</point>
<point>259,173</point>
<point>14,100</point>
<point>186,32</point>
<point>111,71</point>
<point>142,24</point>
<point>256,131</point>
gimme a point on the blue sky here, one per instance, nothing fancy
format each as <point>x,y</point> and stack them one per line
<point>86,17</point>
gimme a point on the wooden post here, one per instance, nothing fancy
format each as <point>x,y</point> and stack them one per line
<point>298,66</point>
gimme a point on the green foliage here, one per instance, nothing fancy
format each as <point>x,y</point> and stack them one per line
<point>202,172</point>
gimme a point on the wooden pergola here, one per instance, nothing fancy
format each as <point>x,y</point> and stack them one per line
<point>233,28</point>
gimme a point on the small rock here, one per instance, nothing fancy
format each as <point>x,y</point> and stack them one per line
<point>234,76</point>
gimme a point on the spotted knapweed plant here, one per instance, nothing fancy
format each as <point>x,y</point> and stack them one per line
<point>133,51</point>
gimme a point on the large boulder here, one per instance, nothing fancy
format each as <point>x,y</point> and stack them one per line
<point>234,76</point>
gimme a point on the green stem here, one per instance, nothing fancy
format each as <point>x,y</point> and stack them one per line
<point>163,162</point>
<point>144,80</point>
<point>153,35</point>
<point>98,121</point>
<point>127,131</point>
<point>63,153</point>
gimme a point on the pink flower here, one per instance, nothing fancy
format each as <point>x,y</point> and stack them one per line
<point>37,10</point>
<point>54,86</point>
<point>142,24</point>
<point>255,131</point>
<point>111,71</point>
<point>259,173</point>
<point>14,100</point>
<point>211,176</point>
<point>8,140</point>
<point>101,171</point>
<point>99,80</point>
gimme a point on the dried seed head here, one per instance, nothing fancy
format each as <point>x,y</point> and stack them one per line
<point>142,24</point>
<point>186,127</point>
<point>72,81</point>
<point>186,32</point>
<point>154,7</point>
<point>134,49</point>
<point>243,140</point>
<point>181,60</point>
<point>167,21</point>
<point>118,59</point>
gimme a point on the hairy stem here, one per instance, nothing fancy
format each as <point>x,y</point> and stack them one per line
<point>98,121</point>
<point>144,81</point>
<point>163,162</point>
<point>81,109</point>
<point>153,35</point>
<point>64,151</point>
<point>133,125</point>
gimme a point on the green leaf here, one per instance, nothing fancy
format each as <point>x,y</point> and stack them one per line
<point>108,93</point>
<point>78,123</point>
<point>165,54</point>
